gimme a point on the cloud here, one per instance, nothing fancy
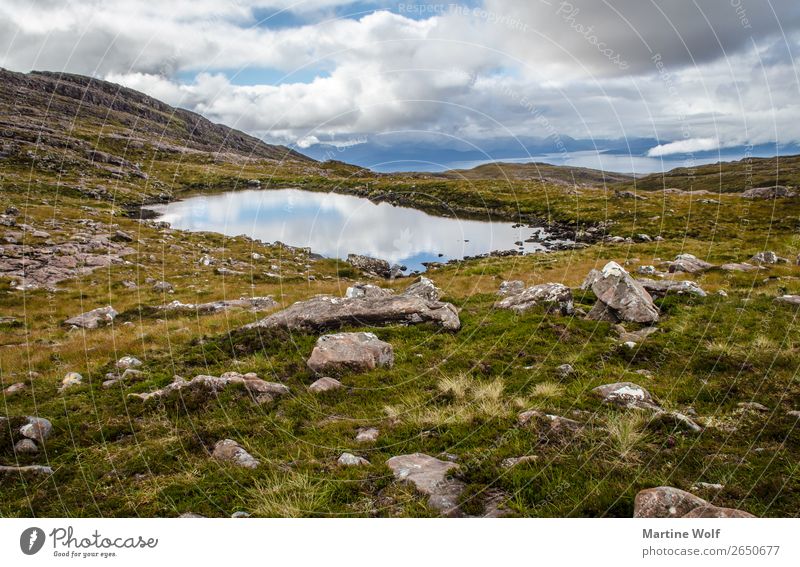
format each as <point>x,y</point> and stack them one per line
<point>684,147</point>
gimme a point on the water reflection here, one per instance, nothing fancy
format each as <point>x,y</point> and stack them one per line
<point>335,225</point>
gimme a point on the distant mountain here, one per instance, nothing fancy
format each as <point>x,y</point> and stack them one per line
<point>557,174</point>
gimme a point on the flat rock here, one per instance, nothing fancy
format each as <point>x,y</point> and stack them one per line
<point>359,290</point>
<point>665,502</point>
<point>660,288</point>
<point>163,287</point>
<point>14,389</point>
<point>625,394</point>
<point>254,304</point>
<point>27,470</point>
<point>375,266</point>
<point>128,362</point>
<point>350,460</point>
<point>788,299</point>
<point>512,287</point>
<point>325,384</point>
<point>710,511</point>
<point>766,258</point>
<point>423,288</point>
<point>776,192</point>
<point>230,451</point>
<point>549,426</point>
<point>690,264</point>
<point>367,435</point>
<point>94,318</point>
<point>620,297</point>
<point>355,352</point>
<point>428,475</point>
<point>554,297</point>
<point>209,386</point>
<point>738,267</point>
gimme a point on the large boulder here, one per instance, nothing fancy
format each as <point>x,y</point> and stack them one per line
<point>690,264</point>
<point>354,352</point>
<point>775,192</point>
<point>326,312</point>
<point>369,265</point>
<point>93,319</point>
<point>554,297</point>
<point>429,476</point>
<point>620,297</point>
<point>665,502</point>
<point>660,288</point>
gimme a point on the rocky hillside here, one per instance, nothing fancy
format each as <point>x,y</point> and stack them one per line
<point>547,173</point>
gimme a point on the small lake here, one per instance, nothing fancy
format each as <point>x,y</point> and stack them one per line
<point>335,225</point>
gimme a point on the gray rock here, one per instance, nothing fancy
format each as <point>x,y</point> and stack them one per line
<point>37,428</point>
<point>27,470</point>
<point>767,258</point>
<point>429,476</point>
<point>208,386</point>
<point>367,435</point>
<point>355,352</point>
<point>689,263</point>
<point>230,451</point>
<point>163,287</point>
<point>775,192</point>
<point>26,446</point>
<point>14,389</point>
<point>254,304</point>
<point>512,287</point>
<point>660,288</point>
<point>710,511</point>
<point>424,288</point>
<point>71,379</point>
<point>549,426</point>
<point>359,290</point>
<point>240,514</point>
<point>325,384</point>
<point>128,362</point>
<point>665,502</point>
<point>788,299</point>
<point>94,318</point>
<point>565,370</point>
<point>554,297</point>
<point>738,267</point>
<point>620,297</point>
<point>375,266</point>
<point>625,394</point>
<point>350,460</point>
<point>752,406</point>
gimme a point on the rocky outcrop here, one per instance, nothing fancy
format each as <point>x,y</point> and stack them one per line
<point>206,387</point>
<point>369,265</point>
<point>325,312</point>
<point>619,297</point>
<point>660,288</point>
<point>553,297</point>
<point>690,264</point>
<point>93,319</point>
<point>766,258</point>
<point>254,304</point>
<point>429,476</point>
<point>350,352</point>
<point>776,192</point>
<point>229,451</point>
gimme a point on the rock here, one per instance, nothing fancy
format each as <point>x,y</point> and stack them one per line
<point>512,287</point>
<point>647,270</point>
<point>230,451</point>
<point>565,370</point>
<point>514,461</point>
<point>767,258</point>
<point>325,384</point>
<point>71,379</point>
<point>629,195</point>
<point>163,287</point>
<point>665,502</point>
<point>752,406</point>
<point>94,318</point>
<point>689,263</point>
<point>122,236</point>
<point>190,515</point>
<point>424,289</point>
<point>254,304</point>
<point>428,475</point>
<point>131,375</point>
<point>27,470</point>
<point>738,267</point>
<point>359,290</point>
<point>37,428</point>
<point>620,297</point>
<point>14,389</point>
<point>625,394</point>
<point>208,386</point>
<point>367,435</point>
<point>788,299</point>
<point>350,460</point>
<point>355,352</point>
<point>710,511</point>
<point>793,413</point>
<point>128,362</point>
<point>549,426</point>
<point>375,266</point>
<point>554,297</point>
<point>660,288</point>
<point>625,336</point>
<point>708,486</point>
<point>26,446</point>
<point>325,312</point>
<point>240,514</point>
<point>776,192</point>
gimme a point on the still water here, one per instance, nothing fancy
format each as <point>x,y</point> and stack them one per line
<point>336,225</point>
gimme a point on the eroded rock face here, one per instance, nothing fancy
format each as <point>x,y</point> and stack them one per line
<point>690,264</point>
<point>254,304</point>
<point>665,502</point>
<point>710,511</point>
<point>353,352</point>
<point>370,265</point>
<point>554,297</point>
<point>428,475</point>
<point>94,318</point>
<point>660,288</point>
<point>325,312</point>
<point>776,192</point>
<point>208,386</point>
<point>620,297</point>
<point>230,451</point>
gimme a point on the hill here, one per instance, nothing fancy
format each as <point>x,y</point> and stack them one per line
<point>545,172</point>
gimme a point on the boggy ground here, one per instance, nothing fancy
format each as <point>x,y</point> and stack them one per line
<point>449,395</point>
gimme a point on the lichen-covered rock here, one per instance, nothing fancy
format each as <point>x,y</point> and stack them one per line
<point>71,379</point>
<point>359,290</point>
<point>660,288</point>
<point>709,511</point>
<point>554,297</point>
<point>738,267</point>
<point>375,266</point>
<point>429,476</point>
<point>620,297</point>
<point>230,451</point>
<point>665,502</point>
<point>775,192</point>
<point>94,318</point>
<point>354,352</point>
<point>350,460</point>
<point>206,387</point>
<point>690,264</point>
<point>254,304</point>
<point>128,362</point>
<point>767,258</point>
<point>423,288</point>
<point>626,394</point>
<point>512,287</point>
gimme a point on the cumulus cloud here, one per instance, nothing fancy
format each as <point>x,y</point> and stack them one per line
<point>684,147</point>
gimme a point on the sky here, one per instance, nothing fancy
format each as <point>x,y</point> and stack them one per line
<point>685,76</point>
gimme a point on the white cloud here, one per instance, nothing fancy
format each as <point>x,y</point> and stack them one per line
<point>684,147</point>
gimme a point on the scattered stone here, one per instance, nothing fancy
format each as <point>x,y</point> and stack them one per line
<point>689,263</point>
<point>163,287</point>
<point>629,195</point>
<point>551,427</point>
<point>128,362</point>
<point>207,386</point>
<point>554,297</point>
<point>428,475</point>
<point>710,511</point>
<point>254,304</point>
<point>37,428</point>
<point>326,312</point>
<point>240,514</point>
<point>708,486</point>
<point>635,337</point>
<point>512,287</point>
<point>94,318</point>
<point>30,469</point>
<point>325,384</point>
<point>665,502</point>
<point>620,297</point>
<point>374,266</point>
<point>122,236</point>
<point>752,406</point>
<point>367,435</point>
<point>776,192</point>
<point>71,379</point>
<point>230,451</point>
<point>14,389</point>
<point>27,446</point>
<point>660,288</point>
<point>355,352</point>
<point>632,396</point>
<point>788,299</point>
<point>738,267</point>
<point>514,461</point>
<point>350,460</point>
<point>767,258</point>
<point>565,370</point>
